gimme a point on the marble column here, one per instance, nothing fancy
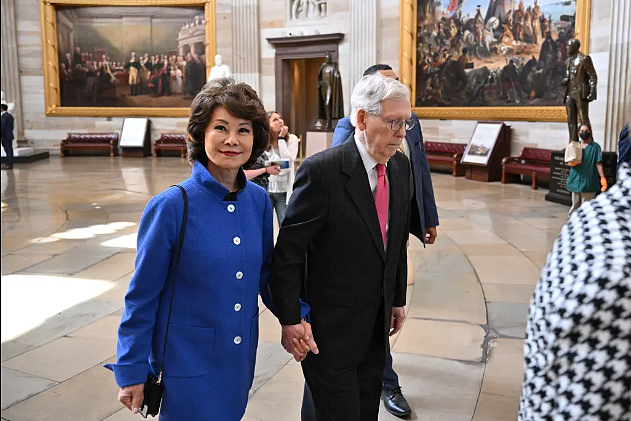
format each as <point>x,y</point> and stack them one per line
<point>619,77</point>
<point>362,38</point>
<point>246,42</point>
<point>9,68</point>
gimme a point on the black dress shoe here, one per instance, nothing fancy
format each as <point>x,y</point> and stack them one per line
<point>395,403</point>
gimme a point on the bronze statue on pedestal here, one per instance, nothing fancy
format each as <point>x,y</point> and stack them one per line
<point>330,99</point>
<point>580,82</point>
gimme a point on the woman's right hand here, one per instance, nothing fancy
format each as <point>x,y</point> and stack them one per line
<point>273,170</point>
<point>132,396</point>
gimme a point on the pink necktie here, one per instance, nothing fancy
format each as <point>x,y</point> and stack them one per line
<point>381,199</point>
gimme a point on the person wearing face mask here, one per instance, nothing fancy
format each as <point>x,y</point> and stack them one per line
<point>204,254</point>
<point>583,181</point>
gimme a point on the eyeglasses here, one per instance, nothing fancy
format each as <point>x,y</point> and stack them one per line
<point>396,125</point>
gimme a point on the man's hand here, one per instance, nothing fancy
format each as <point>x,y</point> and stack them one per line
<point>298,340</point>
<point>132,396</point>
<point>603,183</point>
<point>398,317</point>
<point>590,97</point>
<point>430,235</point>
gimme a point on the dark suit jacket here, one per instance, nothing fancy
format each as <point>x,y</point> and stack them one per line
<point>424,212</point>
<point>6,127</point>
<point>332,223</point>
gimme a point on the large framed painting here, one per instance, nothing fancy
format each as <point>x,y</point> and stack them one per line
<point>489,59</point>
<point>125,57</point>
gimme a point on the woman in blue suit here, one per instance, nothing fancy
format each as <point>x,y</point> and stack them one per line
<point>224,264</point>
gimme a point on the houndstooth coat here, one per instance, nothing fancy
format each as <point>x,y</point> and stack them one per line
<point>578,340</point>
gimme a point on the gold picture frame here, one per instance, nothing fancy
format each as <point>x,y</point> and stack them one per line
<point>52,92</point>
<point>407,75</point>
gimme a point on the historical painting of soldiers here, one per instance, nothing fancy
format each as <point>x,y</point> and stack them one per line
<point>130,56</point>
<point>492,53</point>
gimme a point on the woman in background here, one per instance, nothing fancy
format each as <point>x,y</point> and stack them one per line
<point>282,146</point>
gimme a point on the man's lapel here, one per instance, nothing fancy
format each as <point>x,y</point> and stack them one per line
<point>358,188</point>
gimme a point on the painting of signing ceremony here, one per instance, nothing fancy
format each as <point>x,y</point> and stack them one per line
<point>494,53</point>
<point>131,56</point>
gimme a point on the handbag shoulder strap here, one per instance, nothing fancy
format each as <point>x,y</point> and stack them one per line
<point>176,252</point>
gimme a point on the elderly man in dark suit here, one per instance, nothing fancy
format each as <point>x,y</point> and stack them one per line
<point>348,220</point>
<point>6,129</point>
<point>422,225</point>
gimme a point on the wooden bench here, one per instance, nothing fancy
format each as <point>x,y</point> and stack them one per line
<point>448,154</point>
<point>170,142</point>
<point>90,141</point>
<point>533,162</point>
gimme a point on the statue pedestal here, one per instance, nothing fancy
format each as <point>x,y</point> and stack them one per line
<point>26,155</point>
<point>318,141</point>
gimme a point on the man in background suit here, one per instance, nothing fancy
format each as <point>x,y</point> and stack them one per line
<point>349,218</point>
<point>6,130</point>
<point>422,225</point>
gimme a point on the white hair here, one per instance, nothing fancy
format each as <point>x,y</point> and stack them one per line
<point>371,90</point>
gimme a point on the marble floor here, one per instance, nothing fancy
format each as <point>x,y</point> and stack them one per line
<point>68,244</point>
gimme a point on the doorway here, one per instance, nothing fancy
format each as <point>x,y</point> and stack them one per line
<point>301,112</point>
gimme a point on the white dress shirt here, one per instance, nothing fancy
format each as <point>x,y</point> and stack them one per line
<point>370,164</point>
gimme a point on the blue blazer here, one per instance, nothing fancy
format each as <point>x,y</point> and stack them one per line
<point>424,212</point>
<point>213,334</point>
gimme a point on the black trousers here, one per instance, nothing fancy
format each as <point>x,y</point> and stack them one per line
<point>390,382</point>
<point>7,144</point>
<point>347,394</point>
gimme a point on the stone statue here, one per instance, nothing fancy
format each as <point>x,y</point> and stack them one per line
<point>580,82</point>
<point>330,100</point>
<point>307,9</point>
<point>10,105</point>
<point>219,70</point>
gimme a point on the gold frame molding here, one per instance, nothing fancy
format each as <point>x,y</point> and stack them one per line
<point>52,95</point>
<point>407,74</point>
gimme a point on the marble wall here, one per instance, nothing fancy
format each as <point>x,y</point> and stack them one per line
<point>238,45</point>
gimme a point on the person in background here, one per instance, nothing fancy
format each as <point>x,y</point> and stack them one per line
<point>583,181</point>
<point>6,124</point>
<point>578,338</point>
<point>422,225</point>
<point>282,145</point>
<point>225,261</point>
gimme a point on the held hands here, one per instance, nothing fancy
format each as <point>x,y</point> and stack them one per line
<point>396,322</point>
<point>430,235</point>
<point>298,340</point>
<point>603,183</point>
<point>132,396</point>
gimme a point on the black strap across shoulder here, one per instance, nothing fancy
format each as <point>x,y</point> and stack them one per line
<point>176,252</point>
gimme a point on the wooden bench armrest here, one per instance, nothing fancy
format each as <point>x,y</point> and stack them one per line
<point>509,159</point>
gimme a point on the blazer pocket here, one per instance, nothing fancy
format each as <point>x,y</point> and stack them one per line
<point>189,351</point>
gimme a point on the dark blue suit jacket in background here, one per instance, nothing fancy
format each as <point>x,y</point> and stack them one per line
<point>424,212</point>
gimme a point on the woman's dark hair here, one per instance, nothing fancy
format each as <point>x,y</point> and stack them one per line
<point>240,100</point>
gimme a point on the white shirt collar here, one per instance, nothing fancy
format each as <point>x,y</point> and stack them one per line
<point>367,159</point>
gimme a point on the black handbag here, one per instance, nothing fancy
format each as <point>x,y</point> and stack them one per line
<point>154,387</point>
